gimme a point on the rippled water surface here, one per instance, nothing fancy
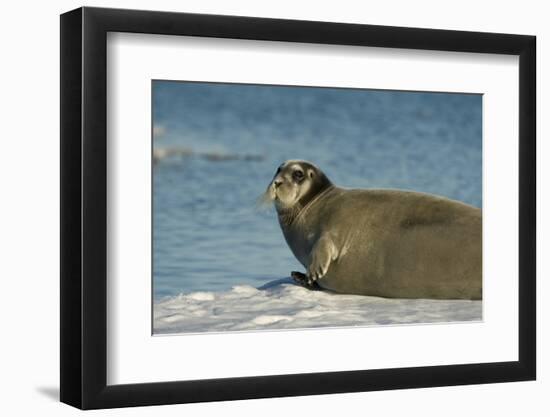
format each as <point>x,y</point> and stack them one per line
<point>217,147</point>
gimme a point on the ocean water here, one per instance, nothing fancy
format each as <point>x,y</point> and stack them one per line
<point>217,147</point>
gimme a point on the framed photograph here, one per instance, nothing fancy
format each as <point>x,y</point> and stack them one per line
<point>257,208</point>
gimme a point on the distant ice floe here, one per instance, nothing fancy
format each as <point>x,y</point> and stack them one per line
<point>161,154</point>
<point>158,131</point>
<point>281,304</point>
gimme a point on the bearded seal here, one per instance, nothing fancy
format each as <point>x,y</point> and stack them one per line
<point>377,242</point>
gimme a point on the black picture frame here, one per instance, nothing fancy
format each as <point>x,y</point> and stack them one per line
<point>84,207</point>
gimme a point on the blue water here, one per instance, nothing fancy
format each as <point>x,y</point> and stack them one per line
<point>207,233</point>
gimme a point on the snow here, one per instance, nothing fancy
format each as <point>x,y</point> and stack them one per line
<point>281,304</point>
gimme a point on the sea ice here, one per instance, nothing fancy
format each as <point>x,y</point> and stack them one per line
<point>281,304</point>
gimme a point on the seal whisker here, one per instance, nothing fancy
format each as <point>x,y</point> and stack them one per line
<point>264,200</point>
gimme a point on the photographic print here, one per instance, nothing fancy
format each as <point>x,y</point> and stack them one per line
<point>326,186</point>
<point>292,207</point>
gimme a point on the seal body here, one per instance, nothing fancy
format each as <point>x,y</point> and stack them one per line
<point>387,243</point>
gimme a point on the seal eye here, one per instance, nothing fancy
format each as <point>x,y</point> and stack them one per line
<point>298,175</point>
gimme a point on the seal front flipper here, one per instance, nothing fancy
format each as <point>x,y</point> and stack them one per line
<point>322,254</point>
<point>301,279</point>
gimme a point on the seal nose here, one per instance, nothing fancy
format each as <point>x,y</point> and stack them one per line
<point>277,182</point>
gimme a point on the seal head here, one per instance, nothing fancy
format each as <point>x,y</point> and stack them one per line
<point>295,184</point>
